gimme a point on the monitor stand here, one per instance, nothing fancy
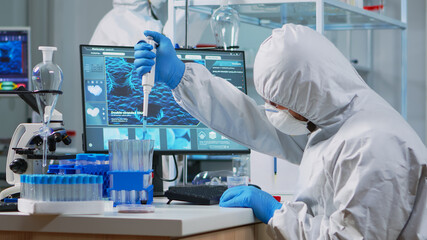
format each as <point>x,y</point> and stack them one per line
<point>158,170</point>
<point>158,189</point>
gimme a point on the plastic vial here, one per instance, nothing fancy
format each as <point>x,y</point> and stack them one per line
<point>225,26</point>
<point>23,186</point>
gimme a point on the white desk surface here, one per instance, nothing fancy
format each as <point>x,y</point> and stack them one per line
<point>175,220</point>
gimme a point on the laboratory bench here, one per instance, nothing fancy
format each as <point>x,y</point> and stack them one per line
<point>177,220</point>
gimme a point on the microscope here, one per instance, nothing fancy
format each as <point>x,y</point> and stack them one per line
<point>25,154</point>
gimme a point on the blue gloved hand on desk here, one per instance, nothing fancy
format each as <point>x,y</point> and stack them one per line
<point>262,203</point>
<point>169,69</point>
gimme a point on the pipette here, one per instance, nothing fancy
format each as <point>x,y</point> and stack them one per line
<point>148,80</point>
<point>147,85</point>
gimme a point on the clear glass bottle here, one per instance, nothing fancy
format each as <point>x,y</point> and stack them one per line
<point>225,26</point>
<point>46,77</point>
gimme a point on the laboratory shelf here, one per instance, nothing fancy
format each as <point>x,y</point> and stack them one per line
<point>321,15</point>
<point>274,13</point>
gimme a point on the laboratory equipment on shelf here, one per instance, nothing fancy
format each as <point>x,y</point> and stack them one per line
<point>47,81</point>
<point>130,172</point>
<point>225,26</point>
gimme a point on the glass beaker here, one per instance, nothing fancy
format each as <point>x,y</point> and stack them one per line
<point>225,26</point>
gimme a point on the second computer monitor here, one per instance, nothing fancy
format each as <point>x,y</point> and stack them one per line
<point>113,100</point>
<point>14,57</point>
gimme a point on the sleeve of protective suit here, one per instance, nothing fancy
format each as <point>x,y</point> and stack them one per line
<point>224,108</point>
<point>373,194</point>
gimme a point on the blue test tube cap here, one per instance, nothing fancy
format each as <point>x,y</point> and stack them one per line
<point>86,179</point>
<point>57,179</point>
<point>100,157</point>
<point>30,179</point>
<point>23,179</point>
<point>79,179</point>
<point>37,179</point>
<point>44,179</point>
<point>73,179</point>
<point>51,179</point>
<point>66,179</point>
<point>91,159</point>
<point>100,179</point>
<point>81,156</point>
<point>93,179</point>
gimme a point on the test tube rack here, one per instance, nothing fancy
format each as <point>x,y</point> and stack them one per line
<point>93,164</point>
<point>61,194</point>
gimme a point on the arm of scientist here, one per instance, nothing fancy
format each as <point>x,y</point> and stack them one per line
<point>216,102</point>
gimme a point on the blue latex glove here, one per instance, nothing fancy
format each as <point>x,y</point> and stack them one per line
<point>262,203</point>
<point>169,69</point>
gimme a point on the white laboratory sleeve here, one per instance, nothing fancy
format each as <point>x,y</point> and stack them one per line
<point>224,108</point>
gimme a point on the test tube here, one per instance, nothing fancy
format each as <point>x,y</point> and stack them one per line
<point>147,158</point>
<point>85,191</point>
<point>94,187</point>
<point>51,188</point>
<point>124,195</point>
<point>23,186</point>
<point>38,190</point>
<point>100,182</point>
<point>81,160</point>
<point>30,194</point>
<point>73,188</point>
<point>91,159</point>
<point>134,166</point>
<point>107,159</point>
<point>114,165</point>
<point>100,159</point>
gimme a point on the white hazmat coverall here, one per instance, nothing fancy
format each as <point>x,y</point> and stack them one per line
<point>125,24</point>
<point>362,172</point>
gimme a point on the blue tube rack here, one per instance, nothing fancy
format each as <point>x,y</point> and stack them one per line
<point>130,181</point>
<point>92,169</point>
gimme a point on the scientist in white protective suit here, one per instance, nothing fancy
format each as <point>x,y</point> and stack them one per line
<point>123,25</point>
<point>363,169</point>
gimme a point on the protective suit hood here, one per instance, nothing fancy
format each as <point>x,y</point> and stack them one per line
<point>291,70</point>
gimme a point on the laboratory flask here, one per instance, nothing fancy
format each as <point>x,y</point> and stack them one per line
<point>47,81</point>
<point>225,26</point>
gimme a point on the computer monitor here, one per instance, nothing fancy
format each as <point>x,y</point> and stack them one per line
<point>14,58</point>
<point>113,100</point>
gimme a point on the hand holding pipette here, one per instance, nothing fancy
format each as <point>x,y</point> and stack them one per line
<point>172,68</point>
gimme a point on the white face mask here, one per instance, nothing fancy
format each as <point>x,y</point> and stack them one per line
<point>285,122</point>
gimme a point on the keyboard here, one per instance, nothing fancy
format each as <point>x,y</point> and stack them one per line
<point>198,194</point>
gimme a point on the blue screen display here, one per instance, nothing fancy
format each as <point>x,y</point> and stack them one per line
<point>113,102</point>
<point>14,48</point>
